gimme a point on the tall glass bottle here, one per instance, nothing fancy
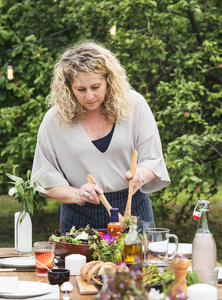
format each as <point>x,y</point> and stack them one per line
<point>114,227</point>
<point>204,250</point>
<point>133,247</point>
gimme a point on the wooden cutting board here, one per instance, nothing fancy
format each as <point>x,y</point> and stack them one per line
<point>86,288</point>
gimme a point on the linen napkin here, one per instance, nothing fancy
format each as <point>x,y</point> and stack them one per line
<point>8,284</point>
<point>26,289</point>
<point>53,295</point>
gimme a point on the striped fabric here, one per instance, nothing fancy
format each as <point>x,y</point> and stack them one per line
<point>97,216</point>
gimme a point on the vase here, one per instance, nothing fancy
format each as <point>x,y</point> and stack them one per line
<point>105,257</point>
<point>23,232</point>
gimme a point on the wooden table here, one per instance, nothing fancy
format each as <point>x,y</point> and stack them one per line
<point>31,276</point>
<point>74,294</point>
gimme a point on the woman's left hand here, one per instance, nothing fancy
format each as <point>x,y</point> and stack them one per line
<point>143,175</point>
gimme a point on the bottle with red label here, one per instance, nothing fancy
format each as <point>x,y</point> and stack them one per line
<point>204,250</point>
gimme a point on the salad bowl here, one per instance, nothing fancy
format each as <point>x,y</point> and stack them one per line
<point>76,242</point>
<point>63,249</point>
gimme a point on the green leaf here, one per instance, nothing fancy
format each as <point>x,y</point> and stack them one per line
<point>4,34</point>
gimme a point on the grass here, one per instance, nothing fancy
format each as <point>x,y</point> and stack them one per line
<point>45,221</point>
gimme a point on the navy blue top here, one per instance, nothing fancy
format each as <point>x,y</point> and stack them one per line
<point>103,143</point>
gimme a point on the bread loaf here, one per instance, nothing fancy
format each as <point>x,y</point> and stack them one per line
<point>93,271</point>
<point>107,265</point>
<point>93,268</point>
<point>85,269</point>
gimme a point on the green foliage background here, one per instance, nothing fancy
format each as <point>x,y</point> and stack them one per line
<point>172,53</point>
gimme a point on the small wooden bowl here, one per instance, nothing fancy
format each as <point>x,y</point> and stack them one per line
<point>63,249</point>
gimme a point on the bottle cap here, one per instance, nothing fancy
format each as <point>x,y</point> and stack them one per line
<point>199,208</point>
<point>114,210</point>
<point>114,215</point>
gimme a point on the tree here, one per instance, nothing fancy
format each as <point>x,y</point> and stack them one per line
<point>171,50</point>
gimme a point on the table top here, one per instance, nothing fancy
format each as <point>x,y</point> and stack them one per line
<point>31,276</point>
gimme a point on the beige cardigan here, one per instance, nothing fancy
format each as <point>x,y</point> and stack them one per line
<point>69,155</point>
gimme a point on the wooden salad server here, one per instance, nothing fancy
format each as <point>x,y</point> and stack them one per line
<point>105,202</point>
<point>133,171</point>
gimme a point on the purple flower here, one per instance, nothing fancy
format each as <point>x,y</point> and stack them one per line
<point>121,285</point>
<point>118,295</point>
<point>138,272</point>
<point>107,238</point>
<point>133,274</point>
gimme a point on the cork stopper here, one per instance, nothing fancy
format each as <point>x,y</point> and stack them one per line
<point>133,220</point>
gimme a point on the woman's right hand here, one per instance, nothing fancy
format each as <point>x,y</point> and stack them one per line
<point>88,192</point>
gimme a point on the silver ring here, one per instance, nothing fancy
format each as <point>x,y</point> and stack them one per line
<point>86,194</point>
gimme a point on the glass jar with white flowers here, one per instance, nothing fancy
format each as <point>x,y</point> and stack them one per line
<point>24,191</point>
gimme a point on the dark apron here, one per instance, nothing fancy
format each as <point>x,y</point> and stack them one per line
<point>97,216</point>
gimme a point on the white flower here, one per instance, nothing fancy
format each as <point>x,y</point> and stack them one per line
<point>12,191</point>
<point>15,178</point>
<point>155,295</point>
<point>40,189</point>
<point>35,177</point>
<point>24,191</point>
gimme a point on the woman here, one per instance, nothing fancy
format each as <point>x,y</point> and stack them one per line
<point>95,122</point>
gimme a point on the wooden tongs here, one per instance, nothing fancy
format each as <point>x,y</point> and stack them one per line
<point>105,202</point>
<point>130,194</point>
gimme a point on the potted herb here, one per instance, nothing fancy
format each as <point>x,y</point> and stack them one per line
<point>108,249</point>
<point>24,191</point>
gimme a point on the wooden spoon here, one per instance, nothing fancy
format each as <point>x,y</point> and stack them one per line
<point>132,171</point>
<point>105,202</point>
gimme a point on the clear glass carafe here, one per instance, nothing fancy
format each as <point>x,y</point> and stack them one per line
<point>204,250</point>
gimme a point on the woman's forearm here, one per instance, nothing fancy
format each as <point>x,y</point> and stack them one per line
<point>146,175</point>
<point>70,195</point>
<point>62,193</point>
<point>142,176</point>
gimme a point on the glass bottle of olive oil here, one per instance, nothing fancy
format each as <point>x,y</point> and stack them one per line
<point>133,247</point>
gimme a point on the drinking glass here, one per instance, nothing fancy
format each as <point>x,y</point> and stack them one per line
<point>142,226</point>
<point>206,276</point>
<point>156,244</point>
<point>45,254</point>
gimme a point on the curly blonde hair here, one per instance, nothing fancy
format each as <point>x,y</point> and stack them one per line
<point>90,58</point>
